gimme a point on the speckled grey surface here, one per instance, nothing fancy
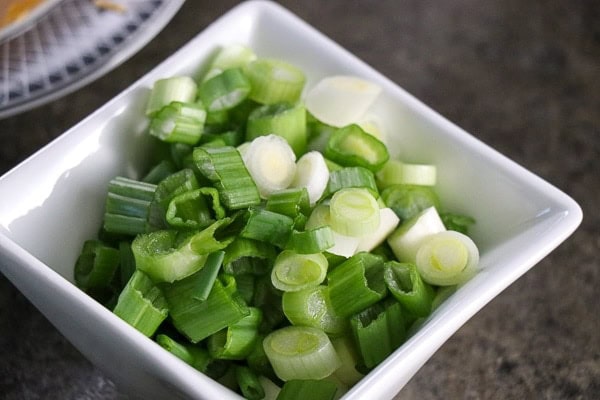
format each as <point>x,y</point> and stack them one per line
<point>522,76</point>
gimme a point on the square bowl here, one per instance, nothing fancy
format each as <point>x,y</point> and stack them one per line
<point>53,201</point>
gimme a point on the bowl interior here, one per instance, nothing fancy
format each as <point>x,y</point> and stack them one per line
<point>54,201</point>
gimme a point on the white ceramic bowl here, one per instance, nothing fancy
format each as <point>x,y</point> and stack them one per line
<point>53,201</point>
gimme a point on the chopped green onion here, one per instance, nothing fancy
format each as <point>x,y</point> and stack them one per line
<point>395,172</point>
<point>356,284</point>
<point>406,240</point>
<point>292,271</point>
<point>248,256</point>
<point>409,200</point>
<point>128,206</point>
<point>274,81</point>
<point>271,162</point>
<point>341,100</point>
<point>457,222</point>
<point>378,331</point>
<point>388,221</point>
<point>312,173</point>
<point>207,276</point>
<point>165,91</point>
<point>141,304</point>
<point>225,168</point>
<point>405,284</point>
<point>189,211</point>
<point>290,202</point>
<point>354,212</point>
<point>346,350</point>
<point>283,119</point>
<point>344,246</point>
<point>312,307</point>
<point>165,258</point>
<point>180,182</point>
<point>237,340</point>
<point>351,177</point>
<point>297,352</point>
<point>373,125</point>
<point>197,319</point>
<point>447,258</point>
<point>351,146</point>
<point>96,265</point>
<point>179,122</point>
<point>311,241</point>
<point>313,389</point>
<point>270,388</point>
<point>193,355</point>
<point>224,90</point>
<point>233,56</point>
<point>249,384</point>
<point>159,172</point>
<point>267,226</point>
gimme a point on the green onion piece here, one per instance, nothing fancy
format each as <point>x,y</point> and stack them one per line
<point>159,172</point>
<point>245,286</point>
<point>292,271</point>
<point>267,226</point>
<point>405,284</point>
<point>96,265</point>
<point>237,340</point>
<point>457,222</point>
<point>283,119</point>
<point>311,241</point>
<point>307,389</point>
<point>388,222</point>
<point>331,166</point>
<point>189,211</point>
<point>233,56</point>
<point>447,258</point>
<point>441,295</point>
<point>197,319</point>
<point>165,91</point>
<point>230,137</point>
<point>274,81</point>
<point>225,168</point>
<point>351,146</point>
<point>167,258</point>
<point>407,239</point>
<point>345,246</point>
<point>179,123</point>
<point>207,276</point>
<point>290,202</point>
<point>128,206</point>
<point>271,163</point>
<point>351,177</point>
<point>409,200</point>
<point>356,284</point>
<point>313,174</point>
<point>270,388</point>
<point>225,90</point>
<point>299,352</point>
<point>249,383</point>
<point>312,307</point>
<point>141,304</point>
<point>345,348</point>
<point>354,212</point>
<point>378,331</point>
<point>396,172</point>
<point>180,182</point>
<point>247,256</point>
<point>126,262</point>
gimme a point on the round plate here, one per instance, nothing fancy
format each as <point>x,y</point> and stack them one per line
<point>73,44</point>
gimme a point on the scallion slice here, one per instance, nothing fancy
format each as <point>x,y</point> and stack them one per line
<point>396,172</point>
<point>283,119</point>
<point>341,100</point>
<point>406,285</point>
<point>237,340</point>
<point>271,162</point>
<point>290,202</point>
<point>96,265</point>
<point>312,173</point>
<point>248,256</point>
<point>409,200</point>
<point>313,389</point>
<point>351,177</point>
<point>298,352</point>
<point>224,90</point>
<point>311,241</point>
<point>344,246</point>
<point>128,206</point>
<point>447,258</point>
<point>141,304</point>
<point>179,122</point>
<point>267,226</point>
<point>388,221</point>
<point>351,146</point>
<point>274,81</point>
<point>292,271</point>
<point>354,212</point>
<point>249,384</point>
<point>165,91</point>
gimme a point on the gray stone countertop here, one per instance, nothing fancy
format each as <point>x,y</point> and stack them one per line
<point>522,76</point>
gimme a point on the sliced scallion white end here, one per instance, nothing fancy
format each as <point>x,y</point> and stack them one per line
<point>271,163</point>
<point>298,352</point>
<point>340,100</point>
<point>313,174</point>
<point>165,91</point>
<point>406,240</point>
<point>388,222</point>
<point>344,246</point>
<point>373,125</point>
<point>447,258</point>
<point>354,212</point>
<point>396,172</point>
<point>293,272</point>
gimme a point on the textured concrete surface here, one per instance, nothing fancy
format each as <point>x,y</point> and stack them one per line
<point>522,76</point>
